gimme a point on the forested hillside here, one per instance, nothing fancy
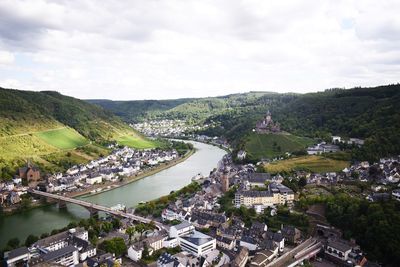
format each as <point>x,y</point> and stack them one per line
<point>369,113</point>
<point>135,111</point>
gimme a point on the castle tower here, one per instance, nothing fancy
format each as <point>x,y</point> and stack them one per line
<point>225,182</point>
<point>268,117</point>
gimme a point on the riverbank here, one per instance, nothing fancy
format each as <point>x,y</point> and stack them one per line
<point>101,188</point>
<point>134,178</point>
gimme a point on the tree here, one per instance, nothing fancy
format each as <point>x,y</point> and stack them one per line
<point>13,243</point>
<point>30,240</point>
<point>302,182</point>
<point>116,223</point>
<point>141,228</point>
<point>25,203</point>
<point>130,231</point>
<point>116,245</point>
<point>107,227</point>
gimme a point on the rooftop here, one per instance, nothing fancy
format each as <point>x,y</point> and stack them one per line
<point>197,238</point>
<point>17,252</point>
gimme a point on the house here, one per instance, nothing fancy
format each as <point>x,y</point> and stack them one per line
<point>277,238</point>
<point>241,155</point>
<point>167,260</point>
<point>291,234</point>
<point>156,242</point>
<point>262,258</point>
<point>197,243</point>
<point>249,242</point>
<point>17,257</point>
<point>356,141</point>
<point>171,242</point>
<point>103,259</point>
<point>94,179</point>
<point>338,250</point>
<point>225,243</point>
<point>241,258</point>
<point>13,198</point>
<point>135,251</point>
<point>396,194</point>
<point>184,228</point>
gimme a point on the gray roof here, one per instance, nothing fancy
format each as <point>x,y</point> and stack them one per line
<point>341,246</point>
<point>52,255</point>
<point>256,177</point>
<point>182,225</point>
<point>17,252</point>
<point>197,238</point>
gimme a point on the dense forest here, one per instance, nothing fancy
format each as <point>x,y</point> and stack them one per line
<point>368,113</point>
<point>374,225</point>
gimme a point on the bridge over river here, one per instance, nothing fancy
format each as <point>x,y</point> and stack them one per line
<point>94,208</point>
<point>47,218</point>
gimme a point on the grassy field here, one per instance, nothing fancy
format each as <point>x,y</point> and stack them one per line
<point>23,146</point>
<point>136,142</point>
<point>64,138</point>
<point>271,145</point>
<point>311,163</point>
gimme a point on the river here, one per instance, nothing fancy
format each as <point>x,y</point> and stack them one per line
<point>44,219</point>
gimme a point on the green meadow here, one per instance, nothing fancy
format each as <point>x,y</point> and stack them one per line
<point>63,138</point>
<point>271,145</point>
<point>136,141</point>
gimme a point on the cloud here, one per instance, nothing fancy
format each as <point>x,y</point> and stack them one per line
<point>169,49</point>
<point>6,58</point>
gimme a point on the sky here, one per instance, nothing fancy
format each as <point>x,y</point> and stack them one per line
<point>154,49</point>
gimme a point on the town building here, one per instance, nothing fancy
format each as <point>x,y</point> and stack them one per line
<point>277,194</point>
<point>225,243</point>
<point>94,179</point>
<point>197,243</point>
<point>338,250</point>
<point>66,256</point>
<point>241,258</point>
<point>396,194</point>
<point>291,234</point>
<point>184,228</point>
<point>167,260</point>
<point>17,257</point>
<point>30,173</point>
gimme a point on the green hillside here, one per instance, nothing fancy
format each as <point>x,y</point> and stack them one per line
<point>54,130</point>
<point>271,145</point>
<point>63,138</point>
<point>132,141</point>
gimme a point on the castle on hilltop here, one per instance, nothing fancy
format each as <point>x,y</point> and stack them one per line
<point>267,125</point>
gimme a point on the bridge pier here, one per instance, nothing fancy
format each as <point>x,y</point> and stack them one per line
<point>62,204</point>
<point>93,212</point>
